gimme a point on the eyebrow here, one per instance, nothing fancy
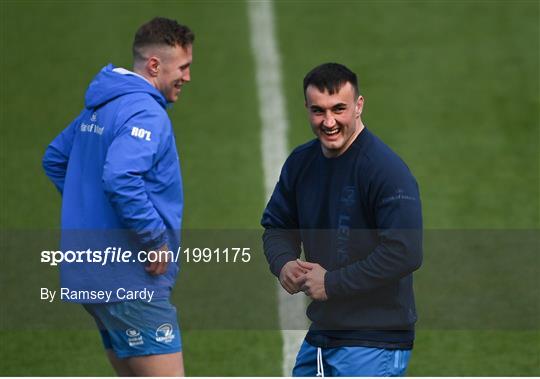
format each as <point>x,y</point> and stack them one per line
<point>338,105</point>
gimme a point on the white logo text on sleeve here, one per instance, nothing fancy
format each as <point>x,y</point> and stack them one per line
<point>141,133</point>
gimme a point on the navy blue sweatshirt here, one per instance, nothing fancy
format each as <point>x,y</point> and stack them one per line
<point>358,216</point>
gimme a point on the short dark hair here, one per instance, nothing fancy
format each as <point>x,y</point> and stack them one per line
<point>161,31</point>
<point>330,77</point>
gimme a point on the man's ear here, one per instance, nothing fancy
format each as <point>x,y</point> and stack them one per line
<point>153,66</point>
<point>358,106</point>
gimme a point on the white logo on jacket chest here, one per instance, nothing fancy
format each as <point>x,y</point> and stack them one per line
<point>141,133</point>
<point>93,127</point>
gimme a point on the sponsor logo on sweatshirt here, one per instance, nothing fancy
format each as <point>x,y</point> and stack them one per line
<point>347,202</point>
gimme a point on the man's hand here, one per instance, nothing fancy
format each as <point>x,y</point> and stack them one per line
<point>289,277</point>
<point>313,280</point>
<point>160,266</point>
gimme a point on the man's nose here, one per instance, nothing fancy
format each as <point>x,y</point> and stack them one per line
<point>186,75</point>
<point>329,120</point>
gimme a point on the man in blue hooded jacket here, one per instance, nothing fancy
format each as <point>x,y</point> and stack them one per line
<point>117,169</point>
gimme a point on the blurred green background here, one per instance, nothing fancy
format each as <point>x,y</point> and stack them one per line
<point>453,87</point>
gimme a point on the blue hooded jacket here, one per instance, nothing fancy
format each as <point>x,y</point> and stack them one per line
<point>117,168</point>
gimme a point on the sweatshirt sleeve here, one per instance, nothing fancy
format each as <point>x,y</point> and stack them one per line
<point>396,205</point>
<point>281,238</point>
<point>130,156</point>
<point>56,157</point>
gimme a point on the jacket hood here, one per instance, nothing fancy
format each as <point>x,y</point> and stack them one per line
<point>109,84</point>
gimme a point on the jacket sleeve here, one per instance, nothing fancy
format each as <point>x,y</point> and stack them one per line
<point>281,238</point>
<point>56,157</point>
<point>398,217</point>
<point>132,154</point>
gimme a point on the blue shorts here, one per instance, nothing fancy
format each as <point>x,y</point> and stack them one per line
<point>135,328</point>
<point>350,361</point>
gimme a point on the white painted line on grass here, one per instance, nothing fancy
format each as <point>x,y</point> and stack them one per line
<point>274,152</point>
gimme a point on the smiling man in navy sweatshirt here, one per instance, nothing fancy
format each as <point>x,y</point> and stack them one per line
<point>354,206</point>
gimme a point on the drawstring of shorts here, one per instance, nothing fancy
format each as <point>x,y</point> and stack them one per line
<point>320,368</point>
